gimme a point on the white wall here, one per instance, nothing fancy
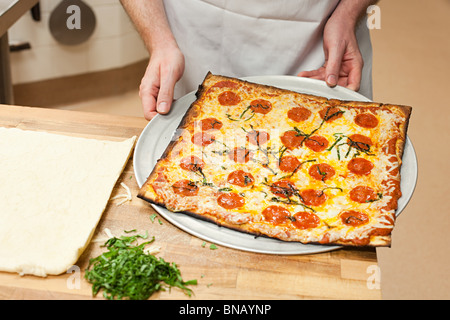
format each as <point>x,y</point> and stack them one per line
<point>114,43</point>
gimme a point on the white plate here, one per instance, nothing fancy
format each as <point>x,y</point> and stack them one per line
<point>159,131</point>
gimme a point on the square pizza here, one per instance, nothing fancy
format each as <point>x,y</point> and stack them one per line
<point>281,164</point>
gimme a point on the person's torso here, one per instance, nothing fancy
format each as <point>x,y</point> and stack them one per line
<point>244,38</point>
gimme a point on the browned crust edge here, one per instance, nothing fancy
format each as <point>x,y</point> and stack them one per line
<point>378,241</point>
<point>190,114</point>
<point>406,110</point>
<point>381,241</point>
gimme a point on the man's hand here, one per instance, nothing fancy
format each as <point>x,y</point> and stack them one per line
<point>165,68</point>
<point>166,65</point>
<point>343,61</point>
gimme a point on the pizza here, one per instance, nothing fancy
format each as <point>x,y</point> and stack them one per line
<point>285,165</point>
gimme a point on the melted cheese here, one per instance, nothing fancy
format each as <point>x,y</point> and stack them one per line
<point>239,119</point>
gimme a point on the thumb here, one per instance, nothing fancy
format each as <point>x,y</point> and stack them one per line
<point>335,55</point>
<point>165,95</point>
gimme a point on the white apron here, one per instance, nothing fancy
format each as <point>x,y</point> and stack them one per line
<point>255,37</point>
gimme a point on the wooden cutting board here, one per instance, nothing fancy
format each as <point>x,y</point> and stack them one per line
<point>221,273</point>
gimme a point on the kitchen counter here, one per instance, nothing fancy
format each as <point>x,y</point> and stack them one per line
<point>222,273</point>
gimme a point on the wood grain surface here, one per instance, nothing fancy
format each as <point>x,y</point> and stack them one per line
<point>222,273</point>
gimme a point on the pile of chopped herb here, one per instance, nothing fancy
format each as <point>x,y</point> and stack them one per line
<point>126,271</point>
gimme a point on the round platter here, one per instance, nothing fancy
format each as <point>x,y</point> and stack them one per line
<point>159,131</point>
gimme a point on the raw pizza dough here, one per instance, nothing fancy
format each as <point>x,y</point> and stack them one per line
<point>53,191</point>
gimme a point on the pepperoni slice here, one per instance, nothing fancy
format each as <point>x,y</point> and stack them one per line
<point>363,194</point>
<point>202,139</point>
<point>330,113</point>
<point>391,146</point>
<point>354,218</point>
<point>240,155</point>
<point>289,164</point>
<point>306,220</point>
<point>316,143</point>
<point>229,98</point>
<point>381,232</point>
<point>241,178</point>
<point>191,163</point>
<point>276,214</point>
<point>210,124</point>
<point>283,188</point>
<point>258,137</point>
<point>185,188</point>
<point>225,84</point>
<point>360,142</point>
<point>366,120</point>
<point>260,106</point>
<point>321,171</point>
<point>360,166</point>
<point>299,114</point>
<point>312,197</point>
<point>395,193</point>
<point>230,200</point>
<point>292,139</point>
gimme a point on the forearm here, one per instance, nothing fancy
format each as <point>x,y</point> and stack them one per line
<point>351,11</point>
<point>149,18</point>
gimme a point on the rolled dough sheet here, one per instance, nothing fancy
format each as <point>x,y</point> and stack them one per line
<point>53,191</point>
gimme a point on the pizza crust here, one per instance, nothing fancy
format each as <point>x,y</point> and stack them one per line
<point>53,191</point>
<point>376,235</point>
